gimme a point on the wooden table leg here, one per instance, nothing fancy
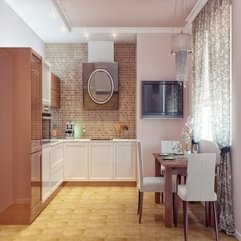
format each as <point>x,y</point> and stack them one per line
<point>168,197</point>
<point>157,174</point>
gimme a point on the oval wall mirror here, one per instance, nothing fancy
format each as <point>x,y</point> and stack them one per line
<point>100,86</point>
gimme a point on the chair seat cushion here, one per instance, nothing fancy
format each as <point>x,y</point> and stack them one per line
<point>154,184</point>
<point>182,193</point>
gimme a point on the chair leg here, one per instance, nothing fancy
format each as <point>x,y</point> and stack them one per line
<point>140,208</point>
<point>162,196</point>
<point>176,208</point>
<point>214,204</point>
<point>185,220</point>
<point>207,213</point>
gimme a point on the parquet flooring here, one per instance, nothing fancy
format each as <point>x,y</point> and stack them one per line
<point>107,214</point>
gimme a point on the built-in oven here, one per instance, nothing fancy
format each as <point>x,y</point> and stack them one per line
<point>46,124</point>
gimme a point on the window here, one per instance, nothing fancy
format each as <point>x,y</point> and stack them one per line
<point>206,132</point>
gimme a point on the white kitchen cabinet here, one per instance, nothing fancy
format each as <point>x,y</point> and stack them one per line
<point>46,184</point>
<point>56,166</point>
<point>125,161</point>
<point>101,161</point>
<point>76,161</point>
<point>46,83</point>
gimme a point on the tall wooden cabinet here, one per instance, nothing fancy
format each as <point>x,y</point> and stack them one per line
<point>21,130</point>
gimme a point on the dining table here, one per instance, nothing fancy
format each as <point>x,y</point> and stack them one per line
<point>174,165</point>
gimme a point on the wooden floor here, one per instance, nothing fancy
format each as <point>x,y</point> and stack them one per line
<point>107,214</point>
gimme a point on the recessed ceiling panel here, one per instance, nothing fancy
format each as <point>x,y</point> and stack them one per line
<point>126,13</point>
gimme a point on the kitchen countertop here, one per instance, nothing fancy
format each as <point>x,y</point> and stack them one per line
<point>54,142</point>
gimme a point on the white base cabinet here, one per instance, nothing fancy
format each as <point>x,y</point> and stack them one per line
<point>76,161</point>
<point>52,169</point>
<point>87,161</point>
<point>56,166</point>
<point>125,161</point>
<point>101,161</point>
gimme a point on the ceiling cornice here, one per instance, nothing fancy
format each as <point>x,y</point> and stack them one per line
<point>195,11</point>
<point>62,14</point>
<point>193,14</point>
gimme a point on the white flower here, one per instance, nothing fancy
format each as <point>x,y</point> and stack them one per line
<point>188,130</point>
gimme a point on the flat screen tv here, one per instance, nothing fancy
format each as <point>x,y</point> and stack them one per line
<point>162,99</point>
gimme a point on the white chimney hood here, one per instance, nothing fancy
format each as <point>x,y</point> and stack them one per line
<point>101,51</point>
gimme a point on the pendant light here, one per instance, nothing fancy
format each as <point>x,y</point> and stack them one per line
<point>181,46</point>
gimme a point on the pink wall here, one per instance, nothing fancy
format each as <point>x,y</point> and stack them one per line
<point>236,117</point>
<point>155,62</point>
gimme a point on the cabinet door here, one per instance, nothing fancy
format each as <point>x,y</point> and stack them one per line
<point>101,161</point>
<point>46,83</point>
<point>125,161</point>
<point>46,185</point>
<point>76,161</point>
<point>56,166</point>
<point>55,91</point>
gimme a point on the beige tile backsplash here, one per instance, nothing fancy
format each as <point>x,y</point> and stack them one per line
<point>66,62</point>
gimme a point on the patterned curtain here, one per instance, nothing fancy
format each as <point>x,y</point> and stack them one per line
<point>214,23</point>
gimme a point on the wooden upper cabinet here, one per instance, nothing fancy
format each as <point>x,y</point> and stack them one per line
<point>55,91</point>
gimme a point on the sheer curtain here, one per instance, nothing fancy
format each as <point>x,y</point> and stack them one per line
<point>211,31</point>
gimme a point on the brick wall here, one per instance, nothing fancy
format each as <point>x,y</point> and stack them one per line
<point>66,62</point>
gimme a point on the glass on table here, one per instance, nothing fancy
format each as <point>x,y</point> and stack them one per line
<point>195,148</point>
<point>176,147</point>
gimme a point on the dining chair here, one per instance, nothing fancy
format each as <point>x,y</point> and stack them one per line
<point>207,146</point>
<point>169,147</point>
<point>149,184</point>
<point>199,186</point>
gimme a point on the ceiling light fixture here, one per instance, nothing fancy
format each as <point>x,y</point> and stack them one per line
<point>181,46</point>
<point>53,15</point>
<point>63,29</point>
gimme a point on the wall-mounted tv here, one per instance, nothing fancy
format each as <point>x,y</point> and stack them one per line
<point>162,99</point>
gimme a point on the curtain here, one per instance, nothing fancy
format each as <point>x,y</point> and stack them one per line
<point>213,23</point>
<point>199,50</point>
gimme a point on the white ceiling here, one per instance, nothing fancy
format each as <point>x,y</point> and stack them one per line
<point>84,20</point>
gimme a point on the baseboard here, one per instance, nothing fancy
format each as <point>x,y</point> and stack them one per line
<point>238,235</point>
<point>100,184</point>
